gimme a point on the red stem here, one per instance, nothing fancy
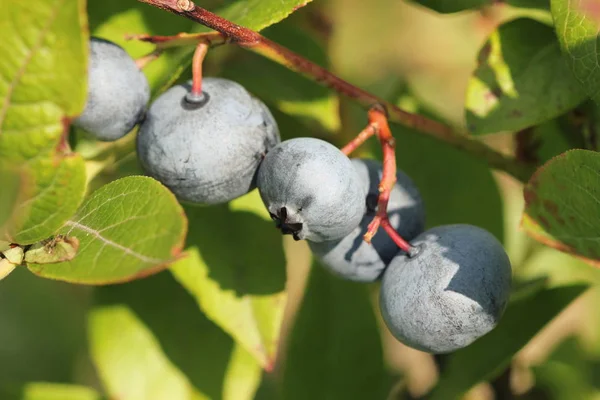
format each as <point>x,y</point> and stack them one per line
<point>378,124</point>
<point>362,137</point>
<point>143,61</point>
<point>199,55</point>
<point>399,240</point>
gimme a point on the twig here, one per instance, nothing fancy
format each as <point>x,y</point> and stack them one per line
<point>253,41</point>
<point>181,39</point>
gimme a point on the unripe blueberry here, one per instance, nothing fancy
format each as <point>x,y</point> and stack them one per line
<point>354,259</point>
<point>452,292</point>
<point>311,190</point>
<point>207,150</point>
<point>118,92</point>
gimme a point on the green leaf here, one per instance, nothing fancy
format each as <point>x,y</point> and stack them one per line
<point>130,361</point>
<point>259,14</point>
<point>49,391</point>
<point>577,24</point>
<point>562,207</point>
<point>150,342</point>
<point>10,183</point>
<point>53,190</point>
<point>452,6</point>
<point>243,376</point>
<point>486,358</point>
<point>241,290</point>
<point>514,74</point>
<point>541,4</point>
<point>44,51</point>
<point>128,229</point>
<point>285,90</point>
<point>41,90</point>
<point>334,350</point>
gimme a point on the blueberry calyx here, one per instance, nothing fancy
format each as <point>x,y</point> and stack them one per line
<point>286,227</point>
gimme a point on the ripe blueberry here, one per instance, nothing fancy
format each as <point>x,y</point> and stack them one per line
<point>117,92</point>
<point>452,292</point>
<point>354,259</point>
<point>311,190</point>
<point>206,149</point>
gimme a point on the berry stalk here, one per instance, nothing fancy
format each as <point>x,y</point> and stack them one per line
<point>255,42</point>
<point>379,124</point>
<point>362,137</point>
<point>199,55</point>
<point>143,61</point>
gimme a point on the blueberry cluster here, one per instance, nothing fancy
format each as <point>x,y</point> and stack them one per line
<point>449,291</point>
<point>212,148</point>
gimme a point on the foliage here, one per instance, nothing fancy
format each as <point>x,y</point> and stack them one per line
<point>242,313</point>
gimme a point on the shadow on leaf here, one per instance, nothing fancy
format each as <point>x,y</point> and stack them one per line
<point>242,251</point>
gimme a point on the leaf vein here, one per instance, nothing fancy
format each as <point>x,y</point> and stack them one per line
<point>97,235</point>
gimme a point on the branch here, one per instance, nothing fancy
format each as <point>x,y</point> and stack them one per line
<point>257,43</point>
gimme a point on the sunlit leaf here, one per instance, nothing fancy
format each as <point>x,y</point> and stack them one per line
<point>128,229</point>
<point>577,23</point>
<point>149,341</point>
<point>514,74</point>
<point>44,65</point>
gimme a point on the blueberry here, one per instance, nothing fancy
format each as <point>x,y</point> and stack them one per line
<point>354,259</point>
<point>118,92</point>
<point>452,292</point>
<point>207,149</point>
<point>311,190</point>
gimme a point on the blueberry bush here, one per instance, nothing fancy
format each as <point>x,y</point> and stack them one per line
<point>296,199</point>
